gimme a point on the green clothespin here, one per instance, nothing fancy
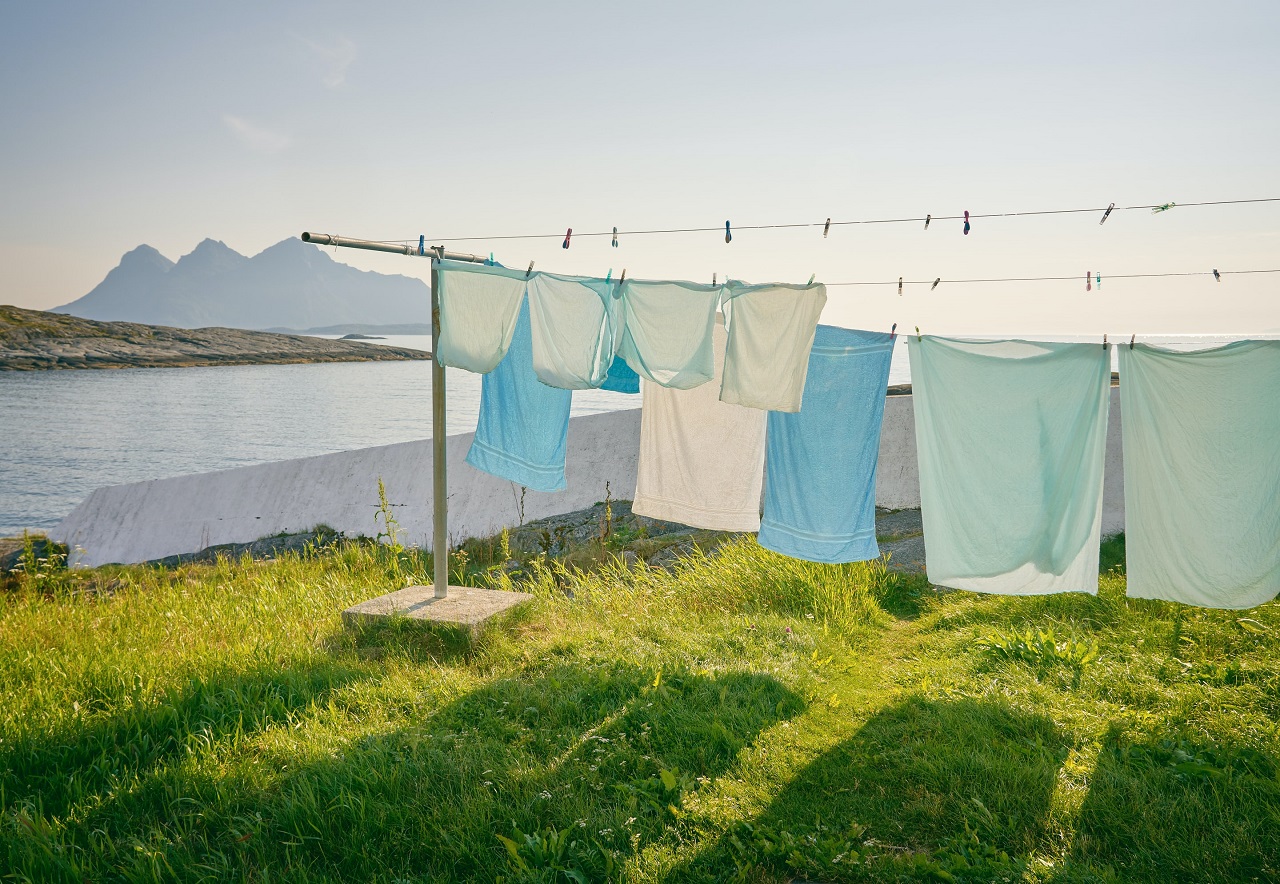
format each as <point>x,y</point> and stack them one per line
<point>1166,207</point>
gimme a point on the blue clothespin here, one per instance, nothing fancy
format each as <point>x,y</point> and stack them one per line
<point>728,234</point>
<point>1098,281</point>
<point>608,276</point>
<point>966,222</point>
<point>422,244</point>
<point>893,332</point>
<point>615,237</point>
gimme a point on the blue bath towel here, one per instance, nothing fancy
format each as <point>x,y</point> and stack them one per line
<point>622,378</point>
<point>820,462</point>
<point>523,422</point>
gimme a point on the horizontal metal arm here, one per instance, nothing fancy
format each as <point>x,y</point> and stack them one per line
<point>328,239</point>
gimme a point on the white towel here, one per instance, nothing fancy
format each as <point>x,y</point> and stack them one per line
<point>701,460</point>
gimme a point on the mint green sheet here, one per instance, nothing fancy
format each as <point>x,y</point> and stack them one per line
<point>1201,437</point>
<point>1011,437</point>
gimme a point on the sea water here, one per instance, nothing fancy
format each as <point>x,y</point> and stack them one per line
<point>65,433</point>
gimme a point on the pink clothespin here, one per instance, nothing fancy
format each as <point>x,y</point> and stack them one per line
<point>966,222</point>
<point>568,233</point>
<point>1088,280</point>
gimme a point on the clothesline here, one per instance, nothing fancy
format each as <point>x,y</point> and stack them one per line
<point>1073,278</point>
<point>827,224</point>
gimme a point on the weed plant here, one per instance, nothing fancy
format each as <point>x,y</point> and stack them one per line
<point>743,717</point>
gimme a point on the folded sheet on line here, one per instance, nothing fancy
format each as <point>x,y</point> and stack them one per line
<point>666,331</point>
<point>576,323</point>
<point>771,329</point>
<point>1010,437</point>
<point>820,463</point>
<point>478,307</point>
<point>1201,434</point>
<point>701,460</point>
<point>523,425</point>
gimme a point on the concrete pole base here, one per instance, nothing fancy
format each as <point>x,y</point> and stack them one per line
<point>464,606</point>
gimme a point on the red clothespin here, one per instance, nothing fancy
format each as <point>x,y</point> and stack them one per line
<point>1088,280</point>
<point>568,233</point>
<point>893,332</point>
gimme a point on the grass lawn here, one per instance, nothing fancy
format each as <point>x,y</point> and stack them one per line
<point>745,718</point>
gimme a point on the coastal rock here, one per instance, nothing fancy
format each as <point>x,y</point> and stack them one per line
<point>33,340</point>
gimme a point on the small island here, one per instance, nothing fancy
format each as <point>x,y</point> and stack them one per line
<point>33,340</point>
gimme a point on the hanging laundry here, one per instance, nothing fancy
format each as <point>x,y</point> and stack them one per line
<point>523,423</point>
<point>701,460</point>
<point>820,464</point>
<point>666,331</point>
<point>478,307</point>
<point>575,323</point>
<point>771,330</point>
<point>1201,434</point>
<point>1010,437</point>
<point>622,378</point>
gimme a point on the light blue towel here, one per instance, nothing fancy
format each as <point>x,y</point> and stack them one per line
<point>523,422</point>
<point>1010,437</point>
<point>820,462</point>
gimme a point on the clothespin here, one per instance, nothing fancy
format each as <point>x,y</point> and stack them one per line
<point>1166,207</point>
<point>529,272</point>
<point>893,332</point>
<point>422,242</point>
<point>826,228</point>
<point>728,235</point>
<point>812,277</point>
<point>918,336</point>
<point>1132,339</point>
<point>1106,213</point>
<point>1217,277</point>
<point>615,237</point>
<point>713,279</point>
<point>927,219</point>
<point>568,233</point>
<point>966,222</point>
<point>935,283</point>
<point>440,253</point>
<point>1088,280</point>
<point>1104,341</point>
<point>622,278</point>
<point>491,261</point>
<point>608,276</point>
<point>1097,280</point>
<point>899,286</point>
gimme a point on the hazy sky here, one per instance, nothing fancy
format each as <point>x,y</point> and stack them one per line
<point>165,123</point>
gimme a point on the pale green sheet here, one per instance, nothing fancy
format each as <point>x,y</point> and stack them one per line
<point>1201,437</point>
<point>1011,437</point>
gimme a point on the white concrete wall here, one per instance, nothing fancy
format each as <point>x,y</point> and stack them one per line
<point>149,520</point>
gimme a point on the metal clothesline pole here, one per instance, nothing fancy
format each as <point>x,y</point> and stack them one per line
<point>439,466</point>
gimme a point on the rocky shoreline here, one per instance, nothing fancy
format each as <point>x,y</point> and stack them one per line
<point>33,340</point>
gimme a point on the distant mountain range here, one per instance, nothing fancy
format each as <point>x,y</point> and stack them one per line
<point>292,285</point>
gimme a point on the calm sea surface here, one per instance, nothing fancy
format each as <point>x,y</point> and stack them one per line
<point>65,433</point>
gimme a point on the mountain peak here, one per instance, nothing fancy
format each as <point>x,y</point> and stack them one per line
<point>145,256</point>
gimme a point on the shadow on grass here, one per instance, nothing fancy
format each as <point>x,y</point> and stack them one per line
<point>934,790</point>
<point>1170,809</point>
<point>102,754</point>
<point>577,763</point>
